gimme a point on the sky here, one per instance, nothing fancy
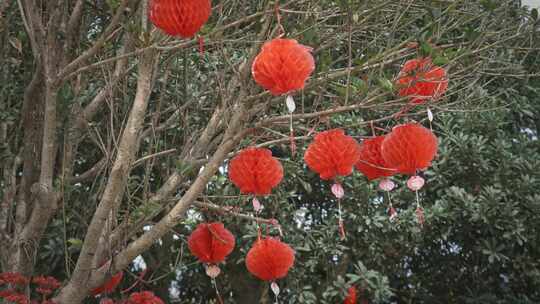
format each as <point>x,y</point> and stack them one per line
<point>531,3</point>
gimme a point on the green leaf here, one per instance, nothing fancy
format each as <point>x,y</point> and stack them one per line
<point>386,84</point>
<point>426,49</point>
<point>534,14</point>
<point>440,60</point>
<point>75,243</point>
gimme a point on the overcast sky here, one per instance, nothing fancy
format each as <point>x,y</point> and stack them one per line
<point>531,3</point>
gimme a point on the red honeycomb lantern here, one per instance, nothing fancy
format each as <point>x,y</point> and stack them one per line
<point>332,153</point>
<point>420,80</point>
<point>270,259</point>
<point>371,162</point>
<point>255,171</point>
<point>109,286</point>
<point>409,148</point>
<point>283,66</point>
<point>211,243</point>
<point>181,18</point>
<point>144,297</point>
<point>351,296</point>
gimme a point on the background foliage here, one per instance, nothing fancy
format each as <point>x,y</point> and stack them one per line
<point>480,242</point>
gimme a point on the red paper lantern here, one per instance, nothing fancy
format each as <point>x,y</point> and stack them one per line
<point>409,148</point>
<point>283,66</point>
<point>144,297</point>
<point>351,296</point>
<point>211,243</point>
<point>109,286</point>
<point>255,171</point>
<point>332,153</point>
<point>270,259</point>
<point>181,18</point>
<point>371,162</point>
<point>420,80</point>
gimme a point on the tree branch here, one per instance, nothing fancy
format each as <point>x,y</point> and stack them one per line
<point>75,290</point>
<point>98,44</point>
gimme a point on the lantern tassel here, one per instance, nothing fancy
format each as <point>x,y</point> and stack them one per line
<point>392,213</point>
<point>213,272</point>
<point>430,118</point>
<point>291,107</point>
<point>201,45</point>
<point>275,289</point>
<point>388,185</point>
<point>257,206</point>
<point>416,183</point>
<point>292,141</point>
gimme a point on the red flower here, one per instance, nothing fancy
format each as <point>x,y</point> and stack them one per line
<point>7,292</point>
<point>371,162</point>
<point>255,171</point>
<point>283,66</point>
<point>17,298</point>
<point>270,259</point>
<point>109,286</point>
<point>409,148</point>
<point>332,153</point>
<point>211,243</point>
<point>420,80</point>
<point>46,285</point>
<point>13,278</point>
<point>351,296</point>
<point>180,17</point>
<point>144,297</point>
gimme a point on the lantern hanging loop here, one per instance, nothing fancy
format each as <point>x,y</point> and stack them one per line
<point>281,29</point>
<point>388,185</point>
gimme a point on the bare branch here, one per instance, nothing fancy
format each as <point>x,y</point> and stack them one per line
<point>115,186</point>
<point>98,44</point>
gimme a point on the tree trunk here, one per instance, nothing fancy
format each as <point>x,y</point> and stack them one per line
<point>21,252</point>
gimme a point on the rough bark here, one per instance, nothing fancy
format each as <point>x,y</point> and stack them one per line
<point>32,120</point>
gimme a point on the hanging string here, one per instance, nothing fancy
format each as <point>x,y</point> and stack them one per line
<point>281,29</point>
<point>220,299</point>
<point>419,212</point>
<point>340,223</point>
<point>258,208</point>
<point>289,101</point>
